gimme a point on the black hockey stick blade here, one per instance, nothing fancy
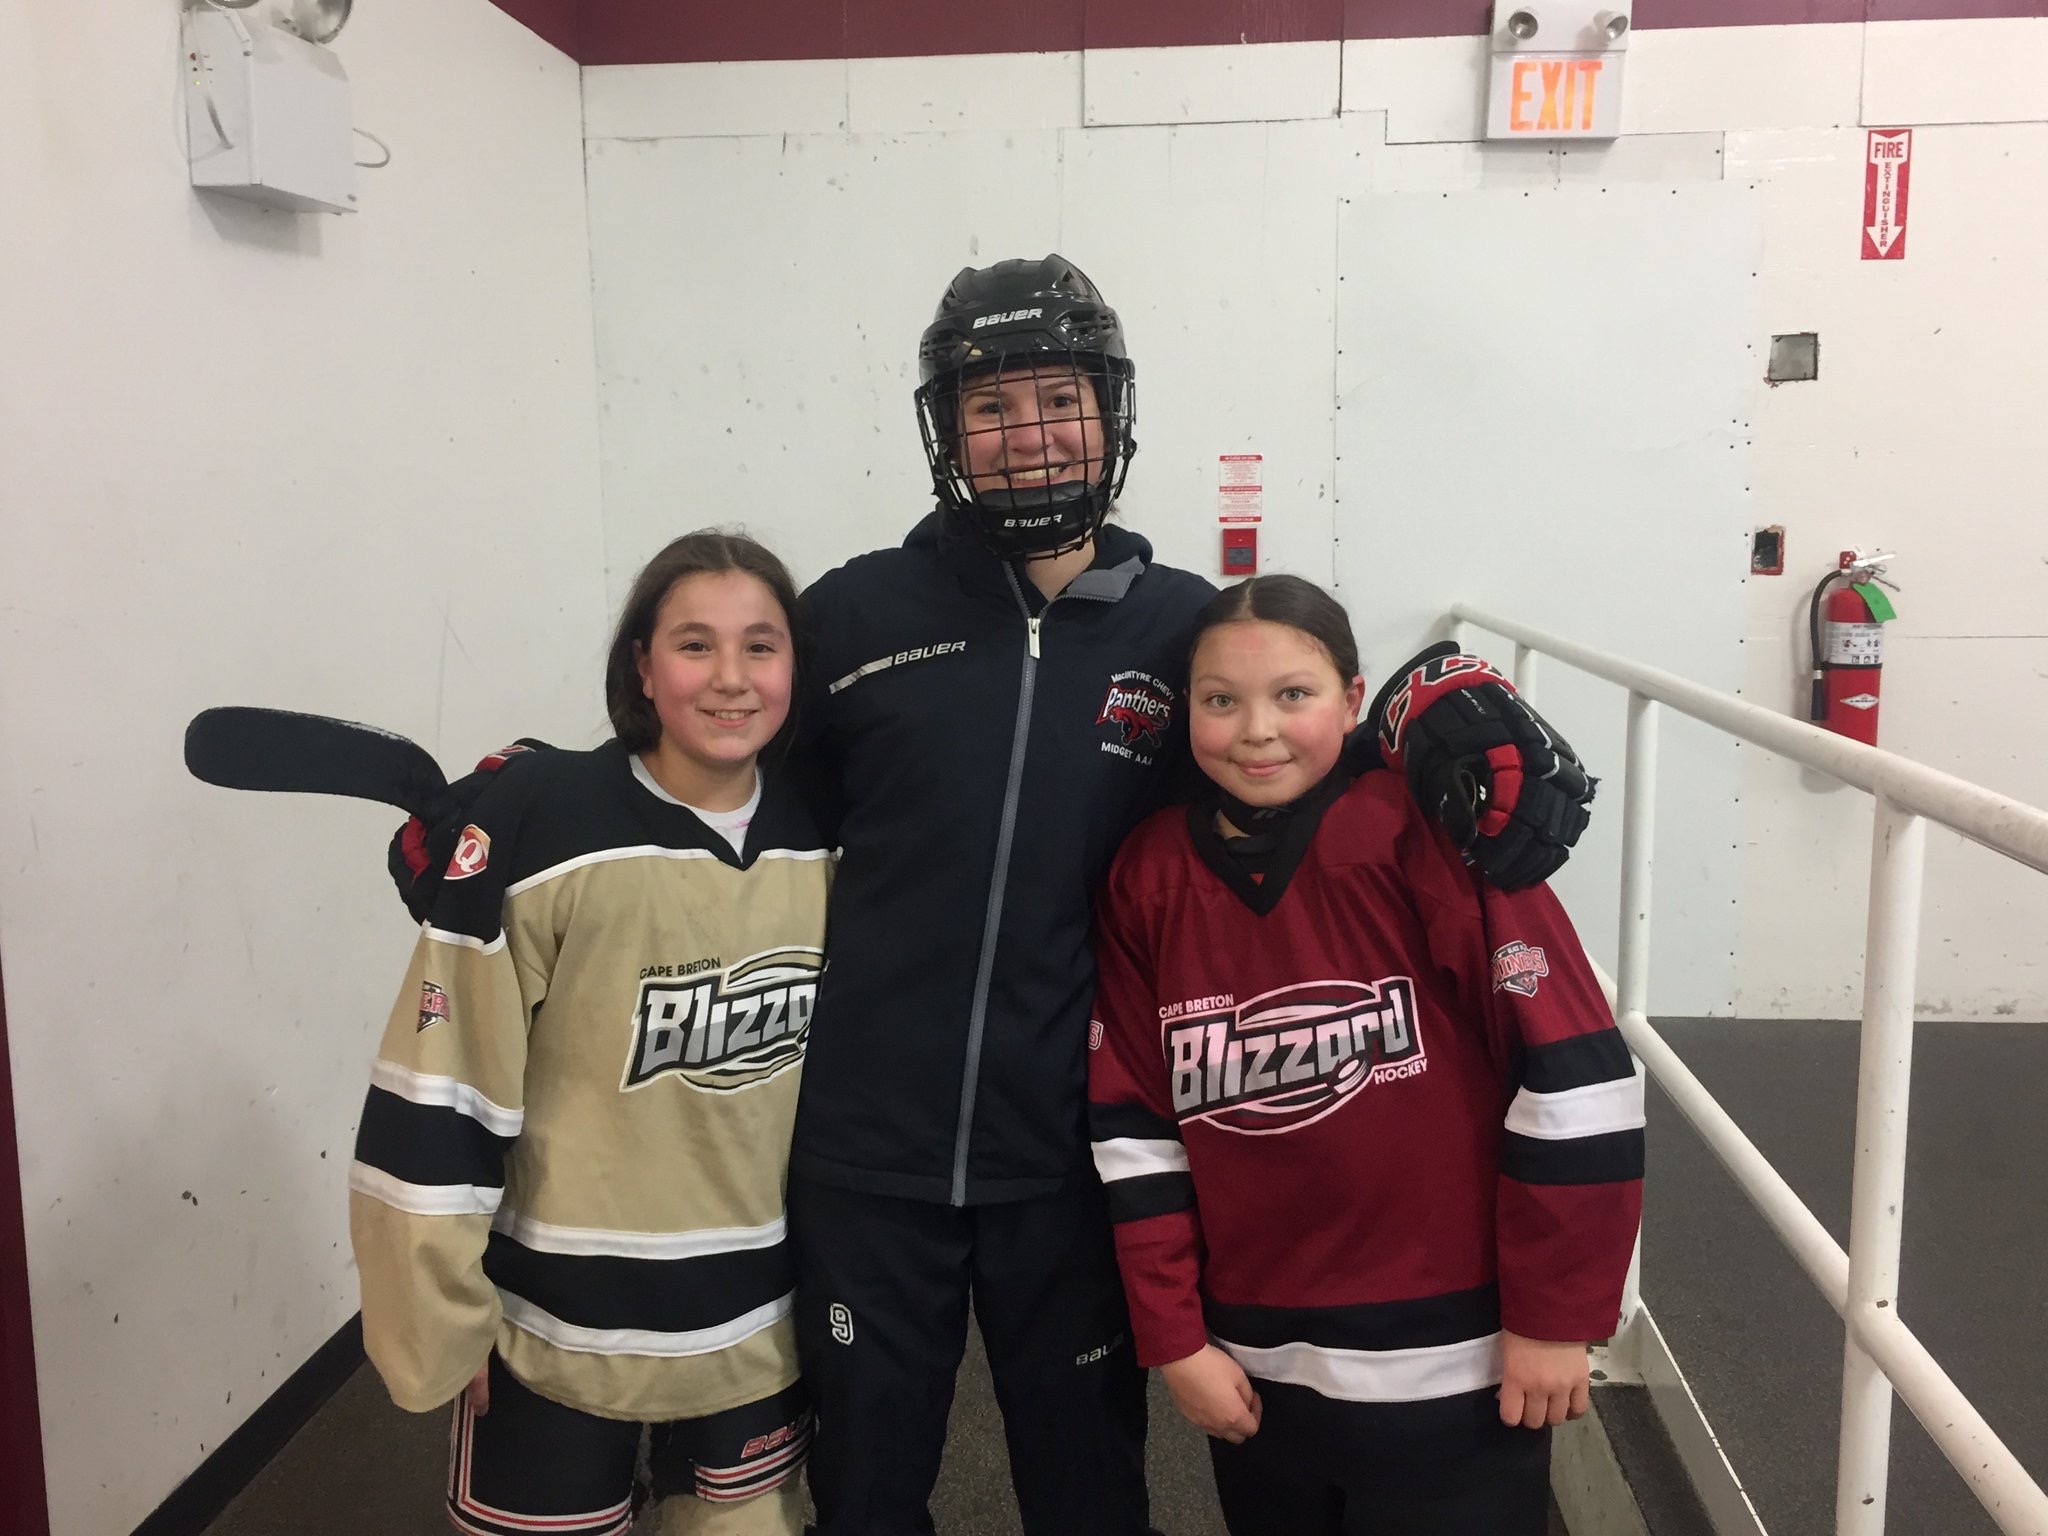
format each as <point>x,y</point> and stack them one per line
<point>238,747</point>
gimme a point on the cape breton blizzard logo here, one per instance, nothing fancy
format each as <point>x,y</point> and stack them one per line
<point>1517,967</point>
<point>1288,1058</point>
<point>1140,707</point>
<point>433,1004</point>
<point>724,1029</point>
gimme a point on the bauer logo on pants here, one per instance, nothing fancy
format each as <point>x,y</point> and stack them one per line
<point>472,853</point>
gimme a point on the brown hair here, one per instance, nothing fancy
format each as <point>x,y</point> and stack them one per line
<point>1285,600</point>
<point>708,550</point>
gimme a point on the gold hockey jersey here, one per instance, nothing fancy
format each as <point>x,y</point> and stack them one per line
<point>577,1133</point>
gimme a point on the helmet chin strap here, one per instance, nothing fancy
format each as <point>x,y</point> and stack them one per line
<point>1056,502</point>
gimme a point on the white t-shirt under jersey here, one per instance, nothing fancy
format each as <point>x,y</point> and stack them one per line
<point>730,825</point>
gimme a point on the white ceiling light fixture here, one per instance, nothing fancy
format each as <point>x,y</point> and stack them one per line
<point>317,21</point>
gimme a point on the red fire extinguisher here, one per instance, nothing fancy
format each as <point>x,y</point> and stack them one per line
<point>1846,629</point>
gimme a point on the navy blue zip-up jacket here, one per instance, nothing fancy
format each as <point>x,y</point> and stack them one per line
<point>981,753</point>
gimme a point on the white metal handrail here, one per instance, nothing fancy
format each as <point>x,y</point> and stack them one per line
<point>1880,1353</point>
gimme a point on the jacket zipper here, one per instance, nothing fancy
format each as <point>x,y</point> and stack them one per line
<point>977,1017</point>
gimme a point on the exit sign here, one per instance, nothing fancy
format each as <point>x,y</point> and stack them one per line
<point>1556,70</point>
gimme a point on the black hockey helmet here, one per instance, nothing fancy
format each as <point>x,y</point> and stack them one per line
<point>1044,316</point>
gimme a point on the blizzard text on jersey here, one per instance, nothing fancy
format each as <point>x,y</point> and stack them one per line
<point>730,1030</point>
<point>1290,1056</point>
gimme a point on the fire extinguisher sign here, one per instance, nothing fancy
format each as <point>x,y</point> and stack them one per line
<point>1887,179</point>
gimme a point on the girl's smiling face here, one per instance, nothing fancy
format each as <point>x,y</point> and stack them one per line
<point>1269,710</point>
<point>1029,428</point>
<point>719,669</point>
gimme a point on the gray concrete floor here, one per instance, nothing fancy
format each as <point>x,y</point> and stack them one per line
<point>361,1465</point>
<point>1762,1350</point>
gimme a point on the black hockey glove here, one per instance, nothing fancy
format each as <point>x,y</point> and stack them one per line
<point>1507,788</point>
<point>420,850</point>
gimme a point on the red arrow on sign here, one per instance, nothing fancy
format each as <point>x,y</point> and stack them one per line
<point>1886,180</point>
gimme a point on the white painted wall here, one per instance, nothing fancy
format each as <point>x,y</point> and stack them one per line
<point>345,465</point>
<point>224,434</point>
<point>1525,422</point>
<point>767,241</point>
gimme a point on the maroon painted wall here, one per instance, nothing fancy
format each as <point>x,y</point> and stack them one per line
<point>680,31</point>
<point>22,1491</point>
<point>553,20</point>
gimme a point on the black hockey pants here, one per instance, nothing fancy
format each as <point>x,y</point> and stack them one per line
<point>1318,1467</point>
<point>883,1288</point>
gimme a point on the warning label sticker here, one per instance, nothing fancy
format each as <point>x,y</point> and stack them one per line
<point>1240,487</point>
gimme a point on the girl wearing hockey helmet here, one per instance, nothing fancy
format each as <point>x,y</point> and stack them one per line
<point>1372,1143</point>
<point>994,709</point>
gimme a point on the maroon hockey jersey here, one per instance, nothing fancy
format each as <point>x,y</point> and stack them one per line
<point>1358,1114</point>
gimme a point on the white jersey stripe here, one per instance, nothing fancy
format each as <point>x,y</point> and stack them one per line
<point>607,856</point>
<point>597,1242</point>
<point>423,1199</point>
<point>648,851</point>
<point>1377,1375</point>
<point>1129,1157</point>
<point>1594,1110</point>
<point>446,1093</point>
<point>466,940</point>
<point>542,1324</point>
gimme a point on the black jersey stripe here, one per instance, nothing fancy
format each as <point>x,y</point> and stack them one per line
<point>1578,1062</point>
<point>1607,1159</point>
<point>1422,1323</point>
<point>604,1292</point>
<point>1127,1121</point>
<point>1151,1194</point>
<point>428,1144</point>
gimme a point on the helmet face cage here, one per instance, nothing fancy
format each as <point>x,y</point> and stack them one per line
<point>1051,427</point>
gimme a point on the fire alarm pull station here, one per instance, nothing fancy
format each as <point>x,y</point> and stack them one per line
<point>1241,551</point>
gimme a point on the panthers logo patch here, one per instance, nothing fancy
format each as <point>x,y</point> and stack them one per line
<point>1140,707</point>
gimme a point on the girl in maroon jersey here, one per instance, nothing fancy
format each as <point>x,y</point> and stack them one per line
<point>1372,1143</point>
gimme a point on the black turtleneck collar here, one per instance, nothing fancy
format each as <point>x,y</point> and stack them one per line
<point>1258,866</point>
